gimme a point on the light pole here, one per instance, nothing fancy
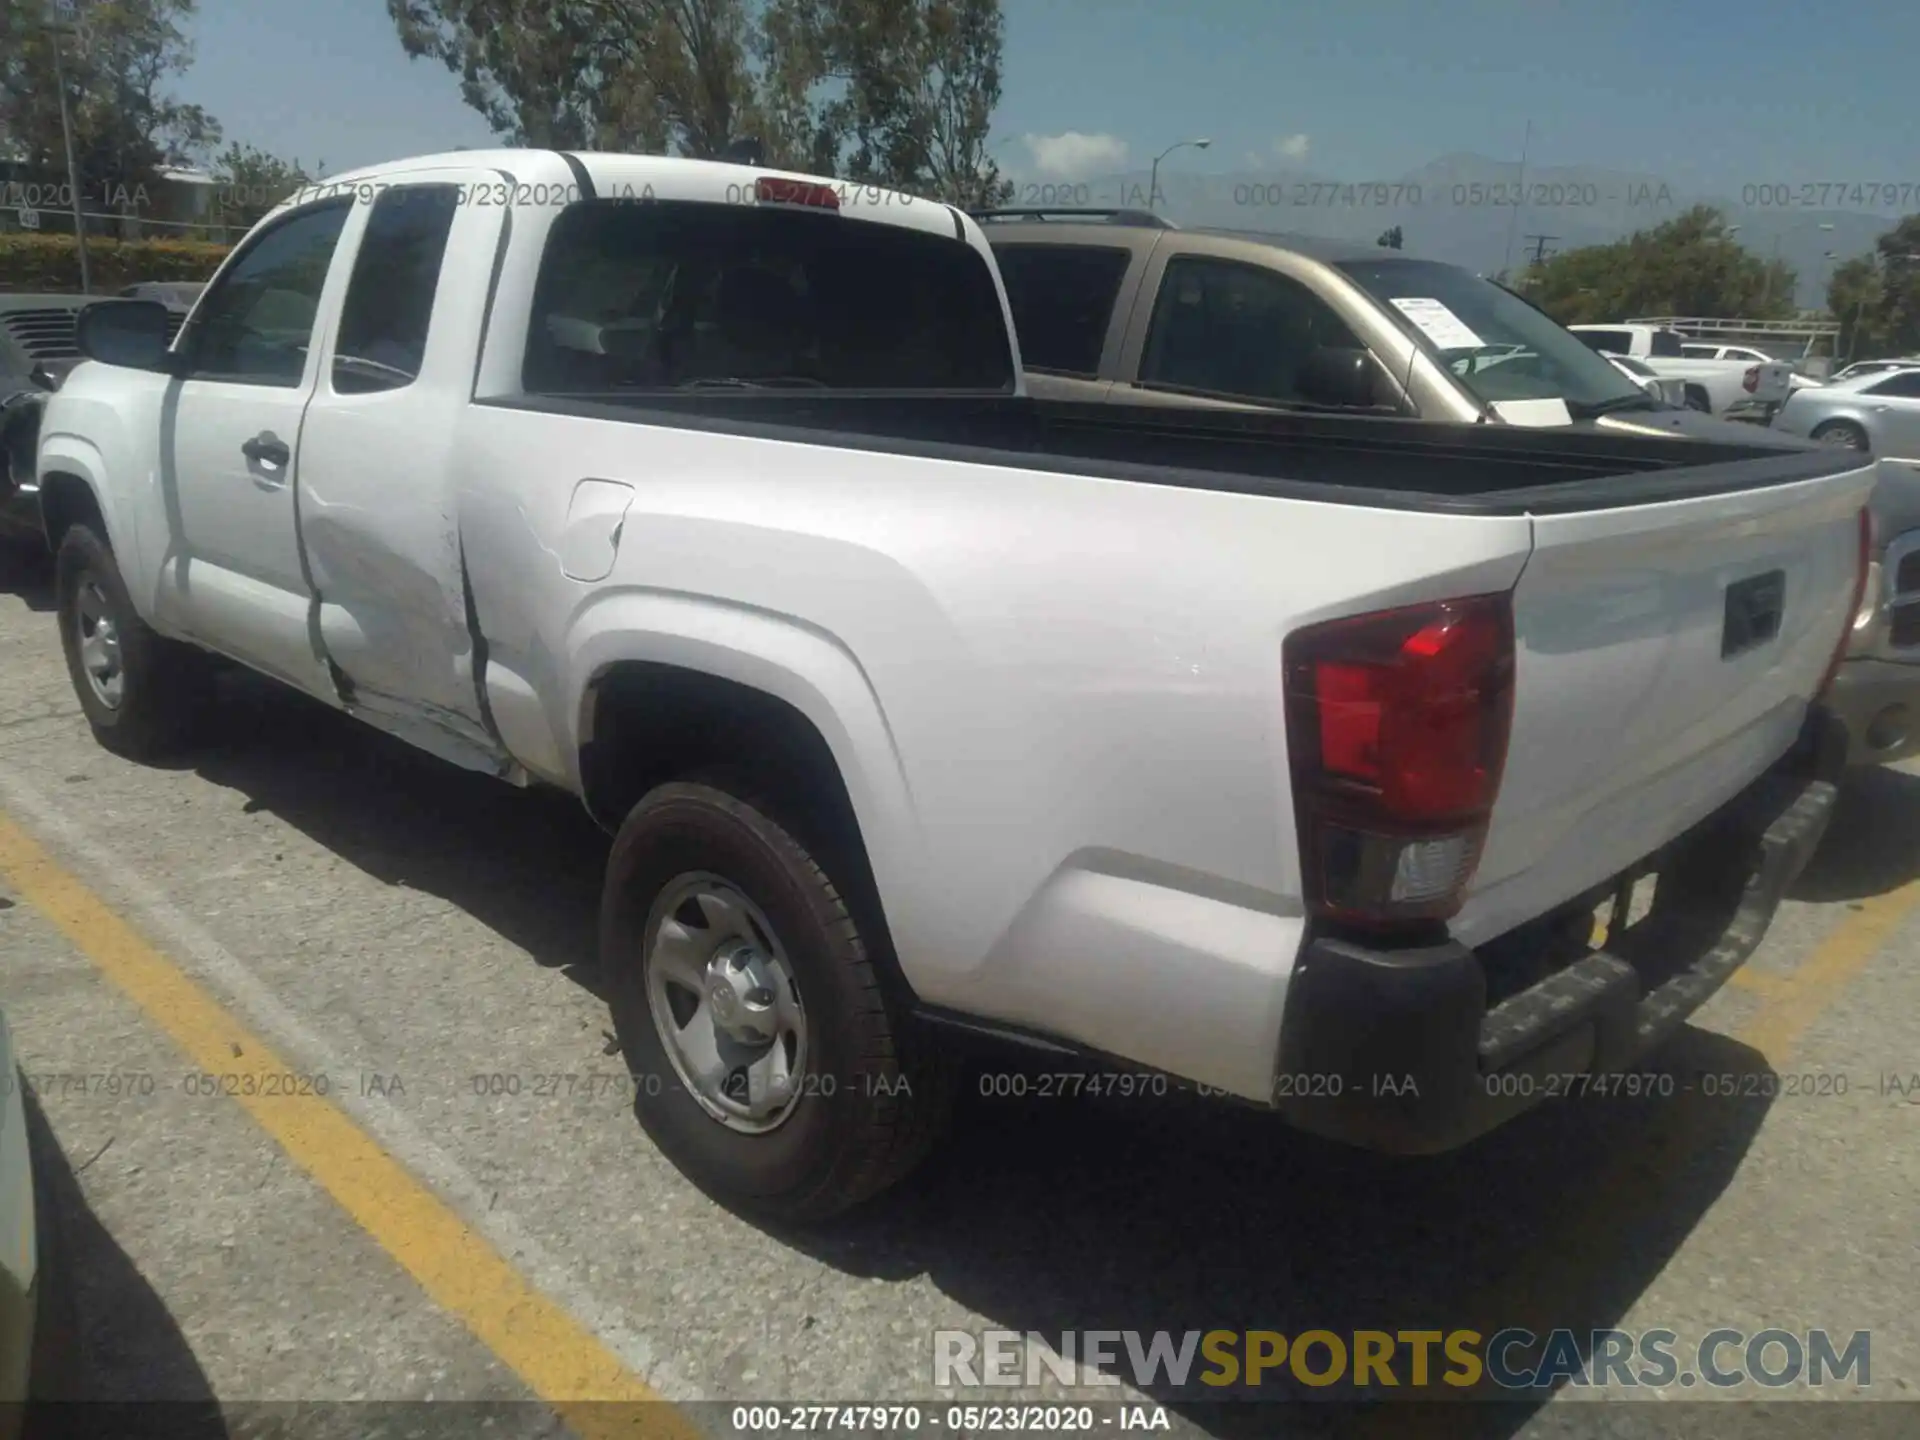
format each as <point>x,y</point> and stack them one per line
<point>59,31</point>
<point>1153,175</point>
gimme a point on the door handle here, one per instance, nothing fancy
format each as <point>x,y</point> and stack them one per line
<point>263,449</point>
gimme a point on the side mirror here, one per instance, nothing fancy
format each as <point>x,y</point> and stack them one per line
<point>130,333</point>
<point>1339,376</point>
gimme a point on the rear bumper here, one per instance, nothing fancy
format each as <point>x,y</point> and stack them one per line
<point>1879,703</point>
<point>1399,1050</point>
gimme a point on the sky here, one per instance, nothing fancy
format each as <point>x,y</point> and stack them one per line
<point>1711,94</point>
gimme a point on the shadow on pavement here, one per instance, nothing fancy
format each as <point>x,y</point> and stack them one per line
<point>1159,1213</point>
<point>1180,1214</point>
<point>1872,844</point>
<point>525,863</point>
<point>27,571</point>
<point>129,1365</point>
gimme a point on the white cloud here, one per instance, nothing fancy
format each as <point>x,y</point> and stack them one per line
<point>1291,147</point>
<point>1073,153</point>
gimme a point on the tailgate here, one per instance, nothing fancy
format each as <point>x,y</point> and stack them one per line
<point>1774,382</point>
<point>1665,655</point>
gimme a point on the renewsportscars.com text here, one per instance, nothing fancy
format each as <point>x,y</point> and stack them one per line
<point>1460,1359</point>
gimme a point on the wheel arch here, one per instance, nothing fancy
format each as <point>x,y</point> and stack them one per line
<point>786,710</point>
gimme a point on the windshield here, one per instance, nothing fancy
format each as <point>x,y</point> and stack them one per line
<point>1495,343</point>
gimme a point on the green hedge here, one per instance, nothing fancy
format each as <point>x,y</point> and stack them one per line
<point>51,263</point>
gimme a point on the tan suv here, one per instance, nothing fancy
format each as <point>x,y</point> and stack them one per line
<point>1123,305</point>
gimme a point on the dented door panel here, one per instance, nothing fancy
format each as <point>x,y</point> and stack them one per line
<point>379,521</point>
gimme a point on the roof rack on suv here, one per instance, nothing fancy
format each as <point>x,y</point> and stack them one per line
<point>1144,218</point>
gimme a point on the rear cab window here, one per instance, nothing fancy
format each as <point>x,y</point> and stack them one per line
<point>1062,297</point>
<point>1664,345</point>
<point>649,295</point>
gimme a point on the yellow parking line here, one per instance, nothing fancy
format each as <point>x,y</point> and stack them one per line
<point>1757,982</point>
<point>1797,999</point>
<point>557,1358</point>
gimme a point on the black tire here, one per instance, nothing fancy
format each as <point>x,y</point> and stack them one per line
<point>1698,399</point>
<point>161,681</point>
<point>872,1095</point>
<point>1843,432</point>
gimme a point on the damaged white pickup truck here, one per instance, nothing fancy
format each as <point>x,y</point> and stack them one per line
<point>1281,753</point>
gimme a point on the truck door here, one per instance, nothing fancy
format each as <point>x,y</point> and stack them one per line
<point>379,526</point>
<point>230,574</point>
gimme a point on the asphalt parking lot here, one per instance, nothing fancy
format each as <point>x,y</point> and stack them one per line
<point>471,1214</point>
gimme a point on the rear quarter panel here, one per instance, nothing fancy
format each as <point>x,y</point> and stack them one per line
<point>1050,695</point>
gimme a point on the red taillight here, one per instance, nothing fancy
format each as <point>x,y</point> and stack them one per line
<point>772,190</point>
<point>1862,563</point>
<point>1397,728</point>
<point>1750,382</point>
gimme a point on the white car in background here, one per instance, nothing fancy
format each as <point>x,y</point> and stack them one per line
<point>1874,367</point>
<point>1740,389</point>
<point>1668,389</point>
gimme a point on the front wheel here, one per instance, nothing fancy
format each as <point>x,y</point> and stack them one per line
<point>138,689</point>
<point>1843,433</point>
<point>766,1062</point>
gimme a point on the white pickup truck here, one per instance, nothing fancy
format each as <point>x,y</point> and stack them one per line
<point>1284,754</point>
<point>1737,388</point>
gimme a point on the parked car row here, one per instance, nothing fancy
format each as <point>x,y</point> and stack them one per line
<point>1740,383</point>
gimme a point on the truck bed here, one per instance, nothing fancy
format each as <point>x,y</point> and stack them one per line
<point>1378,461</point>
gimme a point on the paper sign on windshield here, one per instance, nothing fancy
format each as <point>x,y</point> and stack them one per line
<point>1439,324</point>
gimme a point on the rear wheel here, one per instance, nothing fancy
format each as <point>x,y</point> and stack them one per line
<point>766,1061</point>
<point>1844,433</point>
<point>139,690</point>
<point>1698,399</point>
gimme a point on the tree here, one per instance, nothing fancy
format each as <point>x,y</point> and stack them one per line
<point>1391,239</point>
<point>116,56</point>
<point>252,181</point>
<point>1690,265</point>
<point>910,87</point>
<point>1876,297</point>
<point>895,92</point>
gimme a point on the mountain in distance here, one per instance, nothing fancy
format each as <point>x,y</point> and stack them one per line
<point>1459,208</point>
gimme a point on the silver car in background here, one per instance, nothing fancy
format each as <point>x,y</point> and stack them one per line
<point>1877,413</point>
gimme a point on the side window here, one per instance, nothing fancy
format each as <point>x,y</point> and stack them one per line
<point>255,325</point>
<point>1062,298</point>
<point>389,304</point>
<point>1903,386</point>
<point>1698,352</point>
<point>1236,330</point>
<point>1664,345</point>
<point>1617,342</point>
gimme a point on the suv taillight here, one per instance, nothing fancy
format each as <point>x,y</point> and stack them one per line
<point>1397,728</point>
<point>1750,382</point>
